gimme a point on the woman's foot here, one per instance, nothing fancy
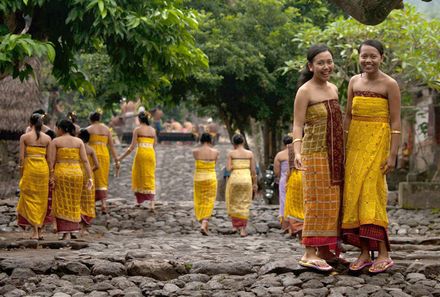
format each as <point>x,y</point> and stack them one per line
<point>204,228</point>
<point>73,236</point>
<point>314,262</point>
<point>104,209</point>
<point>243,232</point>
<point>363,261</point>
<point>381,265</point>
<point>63,236</point>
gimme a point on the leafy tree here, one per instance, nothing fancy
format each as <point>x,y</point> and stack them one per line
<point>148,43</point>
<point>412,49</point>
<point>247,41</point>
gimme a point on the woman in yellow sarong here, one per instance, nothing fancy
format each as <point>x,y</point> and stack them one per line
<point>372,124</point>
<point>294,205</point>
<point>66,154</point>
<point>205,181</point>
<point>319,154</point>
<point>281,172</point>
<point>88,212</point>
<point>34,182</point>
<point>100,140</point>
<point>241,184</point>
<point>143,182</point>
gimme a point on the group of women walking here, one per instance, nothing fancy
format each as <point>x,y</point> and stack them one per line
<point>332,169</point>
<point>62,174</point>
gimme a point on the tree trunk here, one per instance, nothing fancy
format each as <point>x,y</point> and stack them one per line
<point>369,12</point>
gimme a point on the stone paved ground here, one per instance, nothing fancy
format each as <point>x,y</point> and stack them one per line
<point>132,252</point>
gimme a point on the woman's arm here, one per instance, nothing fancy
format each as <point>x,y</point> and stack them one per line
<point>112,146</point>
<point>277,165</point>
<point>395,124</point>
<point>347,118</point>
<point>229,162</point>
<point>254,173</point>
<point>52,153</point>
<point>83,155</point>
<point>299,116</point>
<point>22,152</point>
<point>95,160</point>
<point>131,147</point>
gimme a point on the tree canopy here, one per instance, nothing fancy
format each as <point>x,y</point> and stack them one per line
<point>148,43</point>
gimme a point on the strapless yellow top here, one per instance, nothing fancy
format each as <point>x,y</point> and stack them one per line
<point>68,154</point>
<point>205,165</point>
<point>373,107</point>
<point>240,164</point>
<point>96,139</point>
<point>35,152</point>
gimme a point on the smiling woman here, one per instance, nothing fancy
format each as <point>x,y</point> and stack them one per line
<point>319,154</point>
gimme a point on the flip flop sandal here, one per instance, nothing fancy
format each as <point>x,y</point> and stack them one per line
<point>388,264</point>
<point>203,231</point>
<point>315,265</point>
<point>359,267</point>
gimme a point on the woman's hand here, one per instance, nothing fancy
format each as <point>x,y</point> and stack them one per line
<point>389,164</point>
<point>255,188</point>
<point>297,162</point>
<point>89,184</point>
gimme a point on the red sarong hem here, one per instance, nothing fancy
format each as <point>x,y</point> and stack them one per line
<point>100,195</point>
<point>372,233</point>
<point>141,197</point>
<point>64,226</point>
<point>239,223</point>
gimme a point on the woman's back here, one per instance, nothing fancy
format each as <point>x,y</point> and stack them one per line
<point>98,128</point>
<point>144,130</point>
<point>205,153</point>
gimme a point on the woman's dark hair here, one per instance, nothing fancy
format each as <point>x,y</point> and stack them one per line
<point>71,115</point>
<point>287,139</point>
<point>95,116</point>
<point>237,139</point>
<point>314,50</point>
<point>143,118</point>
<point>205,138</point>
<point>36,121</point>
<point>374,43</point>
<point>84,135</point>
<point>40,111</point>
<point>66,126</point>
<point>51,133</point>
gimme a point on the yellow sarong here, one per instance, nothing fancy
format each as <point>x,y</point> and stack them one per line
<point>239,192</point>
<point>99,144</point>
<point>66,203</point>
<point>294,207</point>
<point>368,146</point>
<point>143,171</point>
<point>205,188</point>
<point>34,186</point>
<point>87,197</point>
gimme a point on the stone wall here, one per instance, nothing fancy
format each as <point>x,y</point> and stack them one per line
<point>9,174</point>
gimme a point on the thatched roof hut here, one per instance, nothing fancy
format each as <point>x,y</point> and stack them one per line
<point>17,101</point>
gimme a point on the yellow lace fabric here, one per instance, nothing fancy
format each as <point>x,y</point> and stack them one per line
<point>205,188</point>
<point>239,189</point>
<point>99,144</point>
<point>34,186</point>
<point>144,167</point>
<point>294,207</point>
<point>368,146</point>
<point>66,201</point>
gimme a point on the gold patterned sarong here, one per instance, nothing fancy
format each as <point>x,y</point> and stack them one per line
<point>66,203</point>
<point>239,192</point>
<point>294,207</point>
<point>205,188</point>
<point>365,190</point>
<point>88,212</point>
<point>99,144</point>
<point>143,181</point>
<point>322,156</point>
<point>34,187</point>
